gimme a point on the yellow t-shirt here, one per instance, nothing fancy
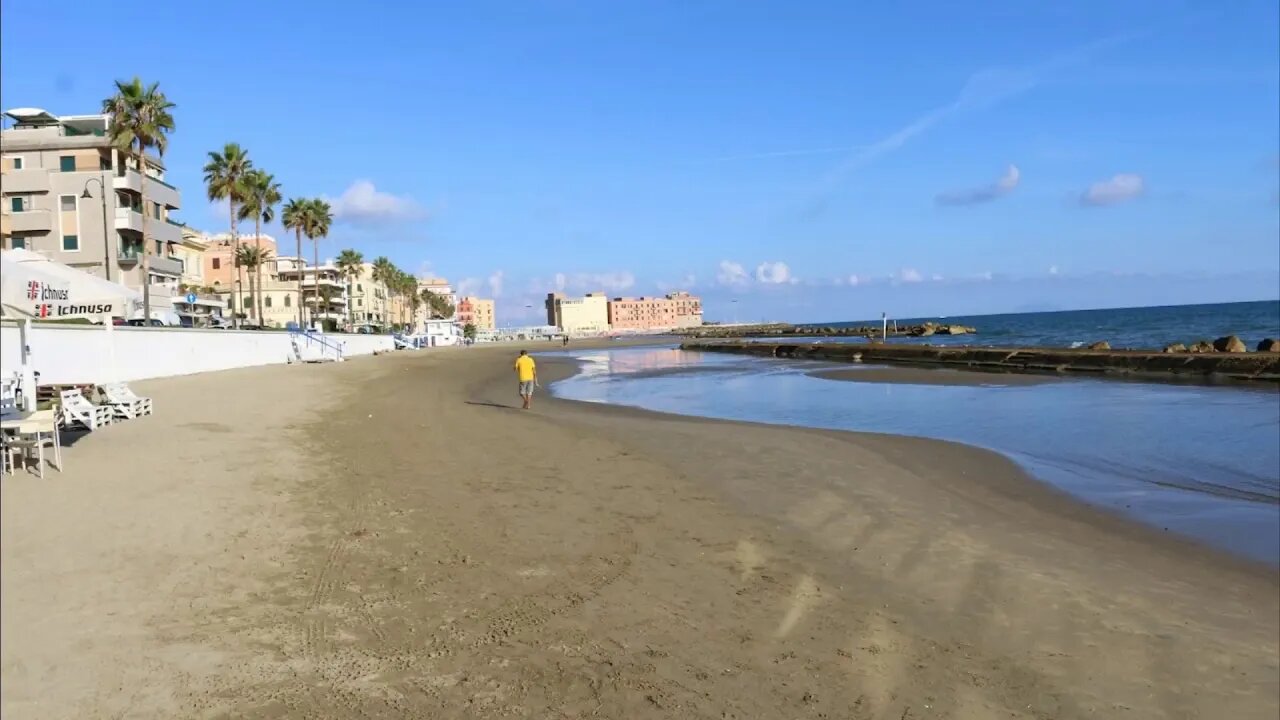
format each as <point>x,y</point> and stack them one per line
<point>524,367</point>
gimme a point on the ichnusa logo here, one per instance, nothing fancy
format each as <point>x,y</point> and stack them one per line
<point>88,309</point>
<point>37,290</point>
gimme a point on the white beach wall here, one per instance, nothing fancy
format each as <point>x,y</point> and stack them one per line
<point>91,354</point>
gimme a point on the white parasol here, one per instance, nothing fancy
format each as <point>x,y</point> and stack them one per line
<point>34,287</point>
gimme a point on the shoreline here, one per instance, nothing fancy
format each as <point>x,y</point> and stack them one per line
<point>998,472</point>
<point>393,537</point>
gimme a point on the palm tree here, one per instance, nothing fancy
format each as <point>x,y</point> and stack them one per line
<point>295,218</point>
<point>252,257</point>
<point>224,178</point>
<point>319,218</point>
<point>384,273</point>
<point>140,119</point>
<point>261,195</point>
<point>350,264</point>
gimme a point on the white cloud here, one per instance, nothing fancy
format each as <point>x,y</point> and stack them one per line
<point>361,202</point>
<point>1118,189</point>
<point>468,286</point>
<point>495,284</point>
<point>732,273</point>
<point>774,273</point>
<point>854,280</point>
<point>935,277</point>
<point>1053,269</point>
<point>610,282</point>
<point>907,275</point>
<point>986,193</point>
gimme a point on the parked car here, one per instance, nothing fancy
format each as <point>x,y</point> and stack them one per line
<point>139,322</point>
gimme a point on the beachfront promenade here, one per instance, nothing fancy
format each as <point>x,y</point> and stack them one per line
<point>389,537</point>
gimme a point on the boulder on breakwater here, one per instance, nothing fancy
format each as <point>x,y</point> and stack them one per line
<point>1207,366</point>
<point>1269,345</point>
<point>782,330</point>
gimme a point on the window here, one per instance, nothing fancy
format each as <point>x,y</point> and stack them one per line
<point>156,206</point>
<point>266,301</point>
<point>71,243</point>
<point>104,163</point>
<point>360,302</point>
<point>67,163</point>
<point>67,203</point>
<point>18,243</point>
<point>359,287</point>
<point>288,301</point>
<point>217,263</point>
<point>17,203</point>
<point>17,163</point>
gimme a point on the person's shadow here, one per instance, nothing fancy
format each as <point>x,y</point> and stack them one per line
<point>492,405</point>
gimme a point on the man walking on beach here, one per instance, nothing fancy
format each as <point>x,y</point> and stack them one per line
<point>527,373</point>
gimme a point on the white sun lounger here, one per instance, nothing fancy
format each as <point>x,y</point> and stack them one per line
<point>77,410</point>
<point>124,403</point>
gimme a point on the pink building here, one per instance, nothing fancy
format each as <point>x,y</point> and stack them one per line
<point>675,310</point>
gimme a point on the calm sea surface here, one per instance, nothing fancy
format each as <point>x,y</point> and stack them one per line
<point>1202,461</point>
<point>1138,328</point>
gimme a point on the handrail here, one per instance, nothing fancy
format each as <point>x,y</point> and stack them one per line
<point>321,340</point>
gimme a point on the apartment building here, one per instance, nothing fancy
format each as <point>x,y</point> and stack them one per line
<point>72,197</point>
<point>369,300</point>
<point>476,311</point>
<point>671,311</point>
<point>688,309</point>
<point>219,267</point>
<point>586,315</point>
<point>323,293</point>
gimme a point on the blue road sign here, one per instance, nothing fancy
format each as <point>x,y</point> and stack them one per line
<point>191,298</point>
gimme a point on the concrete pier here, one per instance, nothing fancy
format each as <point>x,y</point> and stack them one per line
<point>1259,367</point>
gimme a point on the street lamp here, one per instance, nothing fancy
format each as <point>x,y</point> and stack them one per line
<point>106,233</point>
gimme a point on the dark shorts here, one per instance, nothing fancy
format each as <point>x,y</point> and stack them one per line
<point>526,388</point>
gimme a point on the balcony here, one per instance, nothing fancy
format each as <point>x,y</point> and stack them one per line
<point>309,283</point>
<point>157,229</point>
<point>166,266</point>
<point>157,190</point>
<point>34,180</point>
<point>31,221</point>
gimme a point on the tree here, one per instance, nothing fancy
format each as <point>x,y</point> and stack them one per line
<point>350,264</point>
<point>224,179</point>
<point>295,219</point>
<point>384,274</point>
<point>261,195</point>
<point>469,332</point>
<point>140,119</point>
<point>438,306</point>
<point>252,257</point>
<point>319,219</point>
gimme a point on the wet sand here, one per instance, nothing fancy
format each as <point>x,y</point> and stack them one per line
<point>926,376</point>
<point>390,537</point>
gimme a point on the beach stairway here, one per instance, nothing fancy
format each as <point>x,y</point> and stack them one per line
<point>314,348</point>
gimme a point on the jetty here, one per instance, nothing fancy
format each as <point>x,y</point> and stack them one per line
<point>1136,364</point>
<point>888,329</point>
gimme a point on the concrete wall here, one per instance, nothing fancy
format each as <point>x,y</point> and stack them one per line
<point>84,353</point>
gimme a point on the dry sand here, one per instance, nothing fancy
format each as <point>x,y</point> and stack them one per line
<point>390,538</point>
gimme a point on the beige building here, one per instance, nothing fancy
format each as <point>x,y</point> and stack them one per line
<point>70,196</point>
<point>323,293</point>
<point>370,304</point>
<point>476,311</point>
<point>587,315</point>
<point>190,252</point>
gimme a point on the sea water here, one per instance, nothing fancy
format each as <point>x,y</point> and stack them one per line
<point>1201,461</point>
<point>1149,328</point>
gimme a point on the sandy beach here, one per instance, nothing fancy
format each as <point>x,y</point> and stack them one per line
<point>392,538</point>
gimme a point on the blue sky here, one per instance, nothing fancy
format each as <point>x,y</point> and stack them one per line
<point>813,161</point>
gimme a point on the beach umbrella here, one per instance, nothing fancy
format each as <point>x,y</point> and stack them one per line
<point>34,287</point>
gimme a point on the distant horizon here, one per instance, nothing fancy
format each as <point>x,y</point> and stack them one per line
<point>1041,312</point>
